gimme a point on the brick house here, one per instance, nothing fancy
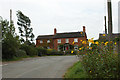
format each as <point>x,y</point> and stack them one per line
<point>67,40</point>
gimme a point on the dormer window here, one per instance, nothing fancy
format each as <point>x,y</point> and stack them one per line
<point>41,41</point>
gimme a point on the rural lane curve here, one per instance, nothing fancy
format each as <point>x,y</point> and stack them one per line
<point>39,67</point>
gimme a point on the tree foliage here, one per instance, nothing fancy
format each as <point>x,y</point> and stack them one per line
<point>10,46</point>
<point>6,28</point>
<point>25,30</point>
<point>10,42</point>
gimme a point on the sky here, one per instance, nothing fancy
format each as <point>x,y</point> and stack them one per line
<point>64,15</point>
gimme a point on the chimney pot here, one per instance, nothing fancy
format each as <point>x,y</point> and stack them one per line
<point>55,31</point>
<point>83,28</point>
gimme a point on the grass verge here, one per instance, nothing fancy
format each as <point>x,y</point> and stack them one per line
<point>18,58</point>
<point>76,71</point>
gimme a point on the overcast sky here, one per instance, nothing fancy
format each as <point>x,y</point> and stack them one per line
<point>65,15</point>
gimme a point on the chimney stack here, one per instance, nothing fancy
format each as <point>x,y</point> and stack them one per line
<point>83,28</point>
<point>55,31</point>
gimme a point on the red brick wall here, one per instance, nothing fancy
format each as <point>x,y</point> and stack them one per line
<point>54,44</point>
<point>44,44</point>
<point>70,41</point>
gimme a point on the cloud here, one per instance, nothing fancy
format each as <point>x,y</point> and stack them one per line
<point>65,15</point>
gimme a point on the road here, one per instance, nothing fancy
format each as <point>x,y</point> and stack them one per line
<point>39,67</point>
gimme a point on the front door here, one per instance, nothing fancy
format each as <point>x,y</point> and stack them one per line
<point>66,47</point>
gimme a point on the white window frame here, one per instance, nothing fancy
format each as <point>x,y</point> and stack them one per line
<point>76,40</point>
<point>66,40</point>
<point>59,41</point>
<point>48,41</point>
<point>41,41</point>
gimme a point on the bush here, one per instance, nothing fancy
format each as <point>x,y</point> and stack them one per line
<point>68,52</point>
<point>52,52</point>
<point>30,50</point>
<point>60,53</point>
<point>21,53</point>
<point>100,62</point>
<point>10,45</point>
<point>41,51</point>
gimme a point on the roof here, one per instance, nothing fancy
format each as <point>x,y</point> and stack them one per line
<point>69,35</point>
<point>45,36</point>
<point>63,35</point>
<point>114,35</point>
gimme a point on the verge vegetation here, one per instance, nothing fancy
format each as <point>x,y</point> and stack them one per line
<point>76,71</point>
<point>99,61</point>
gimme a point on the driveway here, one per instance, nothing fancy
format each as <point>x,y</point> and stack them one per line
<point>39,67</point>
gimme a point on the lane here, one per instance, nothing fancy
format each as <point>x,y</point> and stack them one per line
<point>41,67</point>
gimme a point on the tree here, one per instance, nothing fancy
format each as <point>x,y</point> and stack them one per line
<point>4,24</point>
<point>10,45</point>
<point>10,42</point>
<point>25,30</point>
<point>6,28</point>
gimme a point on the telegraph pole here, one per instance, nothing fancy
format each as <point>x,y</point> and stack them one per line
<point>10,16</point>
<point>109,19</point>
<point>105,25</point>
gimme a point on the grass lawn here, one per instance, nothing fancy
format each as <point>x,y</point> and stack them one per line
<point>76,71</point>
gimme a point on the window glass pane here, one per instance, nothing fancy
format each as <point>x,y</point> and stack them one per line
<point>59,40</point>
<point>76,40</point>
<point>67,40</point>
<point>41,41</point>
<point>48,41</point>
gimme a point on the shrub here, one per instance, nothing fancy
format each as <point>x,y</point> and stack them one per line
<point>21,53</point>
<point>60,53</point>
<point>49,51</point>
<point>41,51</point>
<point>100,62</point>
<point>52,52</point>
<point>68,52</point>
<point>30,50</point>
<point>10,45</point>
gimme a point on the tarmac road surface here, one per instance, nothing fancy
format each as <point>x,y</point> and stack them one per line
<point>39,67</point>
